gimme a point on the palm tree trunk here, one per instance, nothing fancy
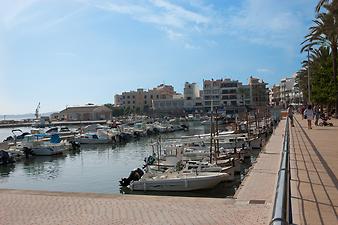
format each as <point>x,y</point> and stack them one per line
<point>334,62</point>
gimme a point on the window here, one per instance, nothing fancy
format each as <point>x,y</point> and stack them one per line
<point>145,96</point>
<point>145,102</point>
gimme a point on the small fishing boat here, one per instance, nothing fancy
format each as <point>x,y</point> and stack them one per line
<point>178,181</point>
<point>42,147</point>
<point>93,138</point>
<point>185,180</point>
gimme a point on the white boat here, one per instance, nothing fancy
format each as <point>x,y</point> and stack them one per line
<point>92,138</point>
<point>256,143</point>
<point>178,181</point>
<point>43,147</point>
<point>46,150</point>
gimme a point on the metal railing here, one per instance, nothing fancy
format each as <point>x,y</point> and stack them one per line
<point>282,211</point>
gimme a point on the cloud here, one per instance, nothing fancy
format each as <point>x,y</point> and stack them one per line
<point>63,18</point>
<point>175,20</point>
<point>11,10</point>
<point>263,22</point>
<point>271,23</point>
<point>264,70</point>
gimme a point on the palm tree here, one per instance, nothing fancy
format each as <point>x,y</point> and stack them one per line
<point>325,33</point>
<point>323,3</point>
<point>320,64</point>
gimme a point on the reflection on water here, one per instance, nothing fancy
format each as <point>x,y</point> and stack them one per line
<point>94,168</point>
<point>5,170</point>
<point>43,167</point>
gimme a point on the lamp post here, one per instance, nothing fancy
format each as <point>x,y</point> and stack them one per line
<point>308,74</point>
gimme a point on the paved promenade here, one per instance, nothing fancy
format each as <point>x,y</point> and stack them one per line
<point>314,167</point>
<point>39,208</point>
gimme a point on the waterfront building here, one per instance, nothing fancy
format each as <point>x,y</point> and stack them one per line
<point>192,97</point>
<point>259,93</point>
<point>143,100</point>
<point>85,113</point>
<point>286,86</point>
<point>275,95</point>
<point>211,94</point>
<point>169,105</point>
<point>286,92</point>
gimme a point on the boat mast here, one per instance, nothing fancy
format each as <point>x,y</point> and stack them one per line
<point>211,127</point>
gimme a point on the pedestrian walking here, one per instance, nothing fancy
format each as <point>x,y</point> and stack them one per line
<point>302,109</point>
<point>308,115</point>
<point>290,114</point>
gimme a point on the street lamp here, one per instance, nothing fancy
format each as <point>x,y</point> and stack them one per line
<point>308,73</point>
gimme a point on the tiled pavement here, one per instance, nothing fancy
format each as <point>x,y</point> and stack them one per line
<point>37,207</point>
<point>314,167</point>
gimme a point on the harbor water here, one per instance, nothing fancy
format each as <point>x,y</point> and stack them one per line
<point>94,168</point>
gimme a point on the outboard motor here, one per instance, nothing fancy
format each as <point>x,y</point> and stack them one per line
<point>156,130</point>
<point>27,152</point>
<point>134,175</point>
<point>185,127</point>
<point>5,158</point>
<point>75,145</point>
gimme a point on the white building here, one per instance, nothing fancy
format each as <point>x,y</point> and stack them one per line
<point>191,96</point>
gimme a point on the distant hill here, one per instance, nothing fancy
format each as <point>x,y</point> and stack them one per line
<point>23,116</point>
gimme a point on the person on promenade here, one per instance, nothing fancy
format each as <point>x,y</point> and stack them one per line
<point>308,115</point>
<point>316,114</point>
<point>290,114</point>
<point>302,109</point>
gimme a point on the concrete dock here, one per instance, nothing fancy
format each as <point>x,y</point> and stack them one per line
<point>314,193</point>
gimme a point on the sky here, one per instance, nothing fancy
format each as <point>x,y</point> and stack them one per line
<point>73,52</point>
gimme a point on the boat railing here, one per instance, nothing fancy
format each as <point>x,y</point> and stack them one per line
<point>282,209</point>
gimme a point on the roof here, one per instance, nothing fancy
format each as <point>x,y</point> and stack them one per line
<point>86,108</point>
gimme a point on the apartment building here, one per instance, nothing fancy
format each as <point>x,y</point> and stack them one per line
<point>275,95</point>
<point>259,93</point>
<point>287,92</point>
<point>231,96</point>
<point>143,100</point>
<point>192,97</point>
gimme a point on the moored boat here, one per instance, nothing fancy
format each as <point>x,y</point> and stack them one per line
<point>178,181</point>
